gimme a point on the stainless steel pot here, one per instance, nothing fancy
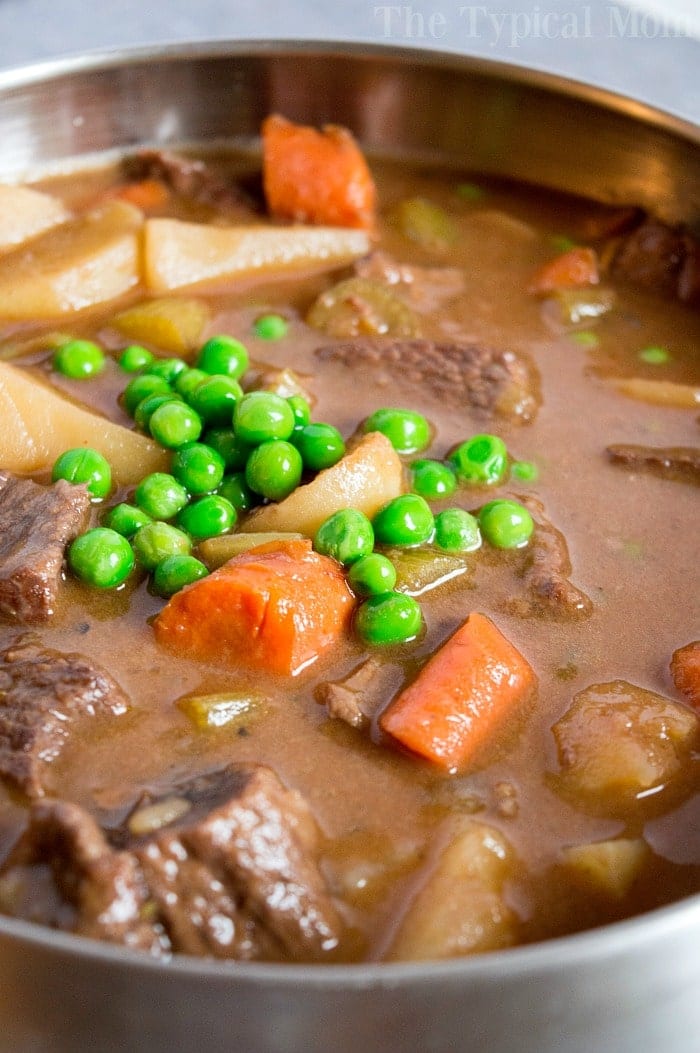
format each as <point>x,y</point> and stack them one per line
<point>628,988</point>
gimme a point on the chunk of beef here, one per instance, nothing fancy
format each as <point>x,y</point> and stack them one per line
<point>194,178</point>
<point>670,462</point>
<point>358,697</point>
<point>665,259</point>
<point>43,694</point>
<point>241,881</point>
<point>63,873</point>
<point>234,876</point>
<point>424,288</point>
<point>546,572</point>
<point>489,381</point>
<point>36,524</point>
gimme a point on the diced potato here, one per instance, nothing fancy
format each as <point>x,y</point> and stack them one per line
<point>38,424</point>
<point>27,213</point>
<point>618,740</point>
<point>366,478</point>
<point>607,868</point>
<point>168,323</point>
<point>83,262</point>
<point>460,909</point>
<point>216,551</point>
<point>178,254</point>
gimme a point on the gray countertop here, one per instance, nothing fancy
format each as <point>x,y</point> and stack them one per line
<point>650,56</point>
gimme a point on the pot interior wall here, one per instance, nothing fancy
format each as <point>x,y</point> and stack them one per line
<point>489,119</point>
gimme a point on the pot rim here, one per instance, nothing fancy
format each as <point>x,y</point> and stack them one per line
<point>631,935</point>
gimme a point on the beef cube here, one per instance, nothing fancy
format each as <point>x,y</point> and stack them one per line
<point>546,570</point>
<point>36,524</point>
<point>42,695</point>
<point>492,382</point>
<point>241,881</point>
<point>63,873</point>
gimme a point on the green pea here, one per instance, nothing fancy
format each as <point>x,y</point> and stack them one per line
<point>371,575</point>
<point>274,469</point>
<point>147,407</point>
<point>407,431</point>
<point>174,572</point>
<point>301,410</point>
<point>101,557</point>
<point>175,423</point>
<point>199,468</point>
<point>506,524</point>
<point>79,359</point>
<point>235,489</point>
<point>270,327</point>
<point>457,531</point>
<point>126,519</point>
<point>235,453</point>
<point>320,445</point>
<point>223,354</point>
<point>167,368</point>
<point>527,471</point>
<point>585,338</point>
<point>215,399</point>
<point>156,541</point>
<point>654,356</point>
<point>134,358</point>
<point>481,460</point>
<point>347,535</point>
<point>84,465</point>
<point>389,618</point>
<point>140,388</point>
<point>405,520</point>
<point>160,495</point>
<point>209,516</point>
<point>188,381</point>
<point>262,415</point>
<point>432,479</point>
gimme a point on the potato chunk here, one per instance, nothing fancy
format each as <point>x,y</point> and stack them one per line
<point>82,262</point>
<point>607,868</point>
<point>179,254</point>
<point>27,213</point>
<point>171,324</point>
<point>38,424</point>
<point>366,478</point>
<point>618,740</point>
<point>461,908</point>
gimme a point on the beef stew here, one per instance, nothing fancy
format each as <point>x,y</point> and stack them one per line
<point>577,807</point>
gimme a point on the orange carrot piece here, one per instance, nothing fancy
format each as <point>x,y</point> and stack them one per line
<point>578,266</point>
<point>145,193</point>
<point>461,696</point>
<point>316,176</point>
<point>685,671</point>
<point>277,607</point>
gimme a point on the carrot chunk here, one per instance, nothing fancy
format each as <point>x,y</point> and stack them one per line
<point>461,696</point>
<point>316,176</point>
<point>145,193</point>
<point>685,671</point>
<point>578,266</point>
<point>275,607</point>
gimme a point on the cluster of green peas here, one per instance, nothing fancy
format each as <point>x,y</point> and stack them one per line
<point>387,616</point>
<point>233,449</point>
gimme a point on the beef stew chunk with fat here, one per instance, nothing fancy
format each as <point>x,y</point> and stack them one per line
<point>348,568</point>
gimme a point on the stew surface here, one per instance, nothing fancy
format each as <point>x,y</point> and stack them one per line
<point>578,805</point>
